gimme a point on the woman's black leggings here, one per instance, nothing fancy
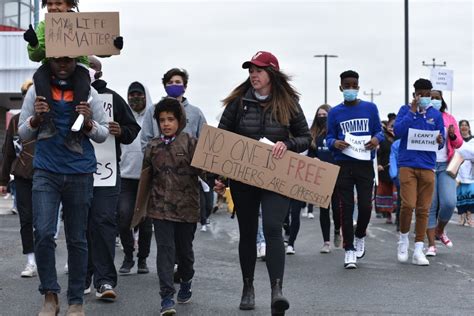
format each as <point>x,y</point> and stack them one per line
<point>247,200</point>
<point>295,211</point>
<point>325,221</point>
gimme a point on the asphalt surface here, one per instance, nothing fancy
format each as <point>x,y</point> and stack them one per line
<point>315,284</point>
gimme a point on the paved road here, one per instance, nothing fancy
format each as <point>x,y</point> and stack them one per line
<point>315,284</point>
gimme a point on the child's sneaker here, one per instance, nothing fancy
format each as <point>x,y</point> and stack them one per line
<point>431,251</point>
<point>167,307</point>
<point>359,244</point>
<point>185,293</point>
<point>419,258</point>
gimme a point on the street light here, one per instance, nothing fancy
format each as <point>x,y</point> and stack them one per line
<point>372,94</point>
<point>325,74</point>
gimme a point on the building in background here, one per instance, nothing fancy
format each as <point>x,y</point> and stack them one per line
<point>15,66</point>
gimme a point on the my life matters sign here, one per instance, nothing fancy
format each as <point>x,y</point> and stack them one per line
<point>422,140</point>
<point>75,34</point>
<point>251,162</point>
<point>106,174</point>
<point>442,79</point>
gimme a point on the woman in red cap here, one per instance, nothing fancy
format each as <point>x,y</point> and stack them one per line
<point>264,106</point>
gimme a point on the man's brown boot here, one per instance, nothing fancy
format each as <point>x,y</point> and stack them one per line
<point>50,305</point>
<point>75,310</point>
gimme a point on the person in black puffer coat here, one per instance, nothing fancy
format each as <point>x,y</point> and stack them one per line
<point>265,105</point>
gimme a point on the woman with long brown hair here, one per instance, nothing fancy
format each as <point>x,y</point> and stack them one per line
<point>318,149</point>
<point>265,105</point>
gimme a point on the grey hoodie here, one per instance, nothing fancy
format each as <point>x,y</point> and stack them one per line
<point>132,155</point>
<point>194,121</point>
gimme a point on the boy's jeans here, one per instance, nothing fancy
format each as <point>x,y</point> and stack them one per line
<point>75,192</point>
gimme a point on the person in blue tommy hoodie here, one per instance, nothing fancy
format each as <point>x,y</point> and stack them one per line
<point>360,119</point>
<point>417,177</point>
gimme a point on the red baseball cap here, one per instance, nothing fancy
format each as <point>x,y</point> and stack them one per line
<point>262,59</point>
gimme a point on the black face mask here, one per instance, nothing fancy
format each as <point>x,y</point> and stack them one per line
<point>321,120</point>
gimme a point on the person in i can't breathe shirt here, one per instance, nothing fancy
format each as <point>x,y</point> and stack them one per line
<point>360,119</point>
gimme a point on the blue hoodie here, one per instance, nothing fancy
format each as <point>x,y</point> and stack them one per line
<point>359,120</point>
<point>431,120</point>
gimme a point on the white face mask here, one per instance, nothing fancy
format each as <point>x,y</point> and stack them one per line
<point>92,75</point>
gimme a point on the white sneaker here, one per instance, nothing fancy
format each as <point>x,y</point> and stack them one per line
<point>30,271</point>
<point>290,250</point>
<point>304,213</point>
<point>310,215</point>
<point>263,250</point>
<point>419,258</point>
<point>326,248</point>
<point>204,228</point>
<point>359,244</point>
<point>403,243</point>
<point>431,252</point>
<point>350,260</point>
<point>88,290</point>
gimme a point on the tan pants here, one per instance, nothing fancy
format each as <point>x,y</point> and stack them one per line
<point>416,192</point>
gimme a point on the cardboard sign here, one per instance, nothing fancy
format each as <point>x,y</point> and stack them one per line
<point>442,79</point>
<point>357,146</point>
<point>106,173</point>
<point>251,162</point>
<point>81,34</point>
<point>422,140</point>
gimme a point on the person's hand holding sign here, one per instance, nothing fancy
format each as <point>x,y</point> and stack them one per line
<point>279,150</point>
<point>340,144</point>
<point>372,144</point>
<point>439,139</point>
<point>114,129</point>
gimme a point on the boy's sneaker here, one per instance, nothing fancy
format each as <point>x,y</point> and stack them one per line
<point>142,267</point>
<point>445,240</point>
<point>88,290</point>
<point>204,228</point>
<point>419,258</point>
<point>326,248</point>
<point>290,250</point>
<point>185,293</point>
<point>431,251</point>
<point>359,244</point>
<point>310,216</point>
<point>167,307</point>
<point>127,265</point>
<point>350,259</point>
<point>30,271</point>
<point>106,292</point>
<point>402,252</point>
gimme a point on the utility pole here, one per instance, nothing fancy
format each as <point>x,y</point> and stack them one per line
<point>372,94</point>
<point>434,64</point>
<point>325,56</point>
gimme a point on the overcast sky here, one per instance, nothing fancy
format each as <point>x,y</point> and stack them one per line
<point>211,39</point>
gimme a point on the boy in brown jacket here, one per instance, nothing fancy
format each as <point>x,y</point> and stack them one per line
<point>174,200</point>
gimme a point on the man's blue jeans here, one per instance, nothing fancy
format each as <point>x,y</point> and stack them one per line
<point>75,193</point>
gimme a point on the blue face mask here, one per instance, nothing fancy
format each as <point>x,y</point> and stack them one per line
<point>436,104</point>
<point>174,90</point>
<point>424,102</point>
<point>350,94</point>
